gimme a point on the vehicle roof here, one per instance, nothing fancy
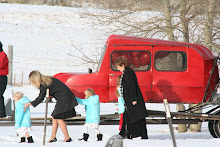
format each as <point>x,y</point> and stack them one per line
<point>205,53</point>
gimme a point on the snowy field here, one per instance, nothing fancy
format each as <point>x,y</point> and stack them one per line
<point>42,38</point>
<point>45,35</point>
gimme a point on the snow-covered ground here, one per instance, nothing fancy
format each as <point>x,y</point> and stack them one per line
<point>42,38</point>
<point>159,135</point>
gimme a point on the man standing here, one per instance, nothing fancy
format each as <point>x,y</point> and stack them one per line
<point>3,79</point>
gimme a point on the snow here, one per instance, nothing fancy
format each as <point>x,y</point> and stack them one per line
<point>51,33</point>
<point>42,37</point>
<point>159,135</point>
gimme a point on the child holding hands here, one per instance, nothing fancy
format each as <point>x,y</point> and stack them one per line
<point>22,118</point>
<point>92,107</point>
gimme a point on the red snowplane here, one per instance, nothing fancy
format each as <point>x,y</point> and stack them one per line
<point>179,72</point>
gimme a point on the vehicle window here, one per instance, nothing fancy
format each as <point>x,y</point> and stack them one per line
<point>137,60</point>
<point>170,61</point>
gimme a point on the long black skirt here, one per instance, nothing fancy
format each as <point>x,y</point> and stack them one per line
<point>67,114</point>
<point>131,130</point>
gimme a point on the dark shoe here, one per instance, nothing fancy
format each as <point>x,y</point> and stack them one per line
<point>2,115</point>
<point>30,139</point>
<point>69,140</point>
<point>144,137</point>
<point>53,140</point>
<point>129,137</point>
<point>85,137</point>
<point>22,140</point>
<point>99,136</point>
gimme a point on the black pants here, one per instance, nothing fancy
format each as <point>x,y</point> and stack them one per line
<point>3,84</point>
<point>131,130</point>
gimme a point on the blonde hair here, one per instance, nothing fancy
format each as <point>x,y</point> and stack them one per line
<point>89,92</point>
<point>18,95</point>
<point>37,79</point>
<point>118,82</point>
<point>121,60</point>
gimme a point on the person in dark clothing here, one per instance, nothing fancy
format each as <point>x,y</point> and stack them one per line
<point>65,101</point>
<point>3,79</point>
<point>134,123</point>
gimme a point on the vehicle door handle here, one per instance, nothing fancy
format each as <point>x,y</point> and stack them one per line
<point>112,74</point>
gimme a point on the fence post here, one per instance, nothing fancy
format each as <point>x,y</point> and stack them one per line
<point>10,58</point>
<point>169,120</point>
<point>45,118</point>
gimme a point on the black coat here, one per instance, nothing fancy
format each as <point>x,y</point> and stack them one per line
<point>132,92</point>
<point>65,98</point>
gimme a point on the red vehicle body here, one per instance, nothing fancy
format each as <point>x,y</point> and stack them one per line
<point>176,71</point>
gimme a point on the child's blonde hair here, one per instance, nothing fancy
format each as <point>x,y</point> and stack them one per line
<point>18,95</point>
<point>118,80</point>
<point>89,92</point>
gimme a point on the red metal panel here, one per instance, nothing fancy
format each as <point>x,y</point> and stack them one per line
<point>177,94</point>
<point>177,86</point>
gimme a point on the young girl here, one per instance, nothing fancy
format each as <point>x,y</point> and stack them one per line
<point>121,107</point>
<point>92,107</point>
<point>22,118</point>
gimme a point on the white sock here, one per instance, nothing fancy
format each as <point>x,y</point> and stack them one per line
<point>85,129</point>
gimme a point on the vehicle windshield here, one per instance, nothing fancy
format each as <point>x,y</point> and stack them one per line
<point>102,56</point>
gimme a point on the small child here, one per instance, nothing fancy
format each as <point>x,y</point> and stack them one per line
<point>92,107</point>
<point>121,107</point>
<point>22,118</point>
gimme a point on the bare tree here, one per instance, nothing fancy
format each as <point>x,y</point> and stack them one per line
<point>168,16</point>
<point>209,23</point>
<point>180,20</point>
<point>184,21</point>
<point>88,58</point>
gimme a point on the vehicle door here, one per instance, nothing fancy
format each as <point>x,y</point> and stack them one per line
<point>139,58</point>
<point>170,73</point>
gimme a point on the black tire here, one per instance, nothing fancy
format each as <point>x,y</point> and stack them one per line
<point>216,126</point>
<point>211,129</point>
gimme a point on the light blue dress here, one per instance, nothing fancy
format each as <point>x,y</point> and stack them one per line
<point>92,107</point>
<point>121,107</point>
<point>22,118</point>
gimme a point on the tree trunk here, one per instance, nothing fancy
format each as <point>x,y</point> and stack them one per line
<point>168,17</point>
<point>195,127</point>
<point>181,127</point>
<point>184,21</point>
<point>210,13</point>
